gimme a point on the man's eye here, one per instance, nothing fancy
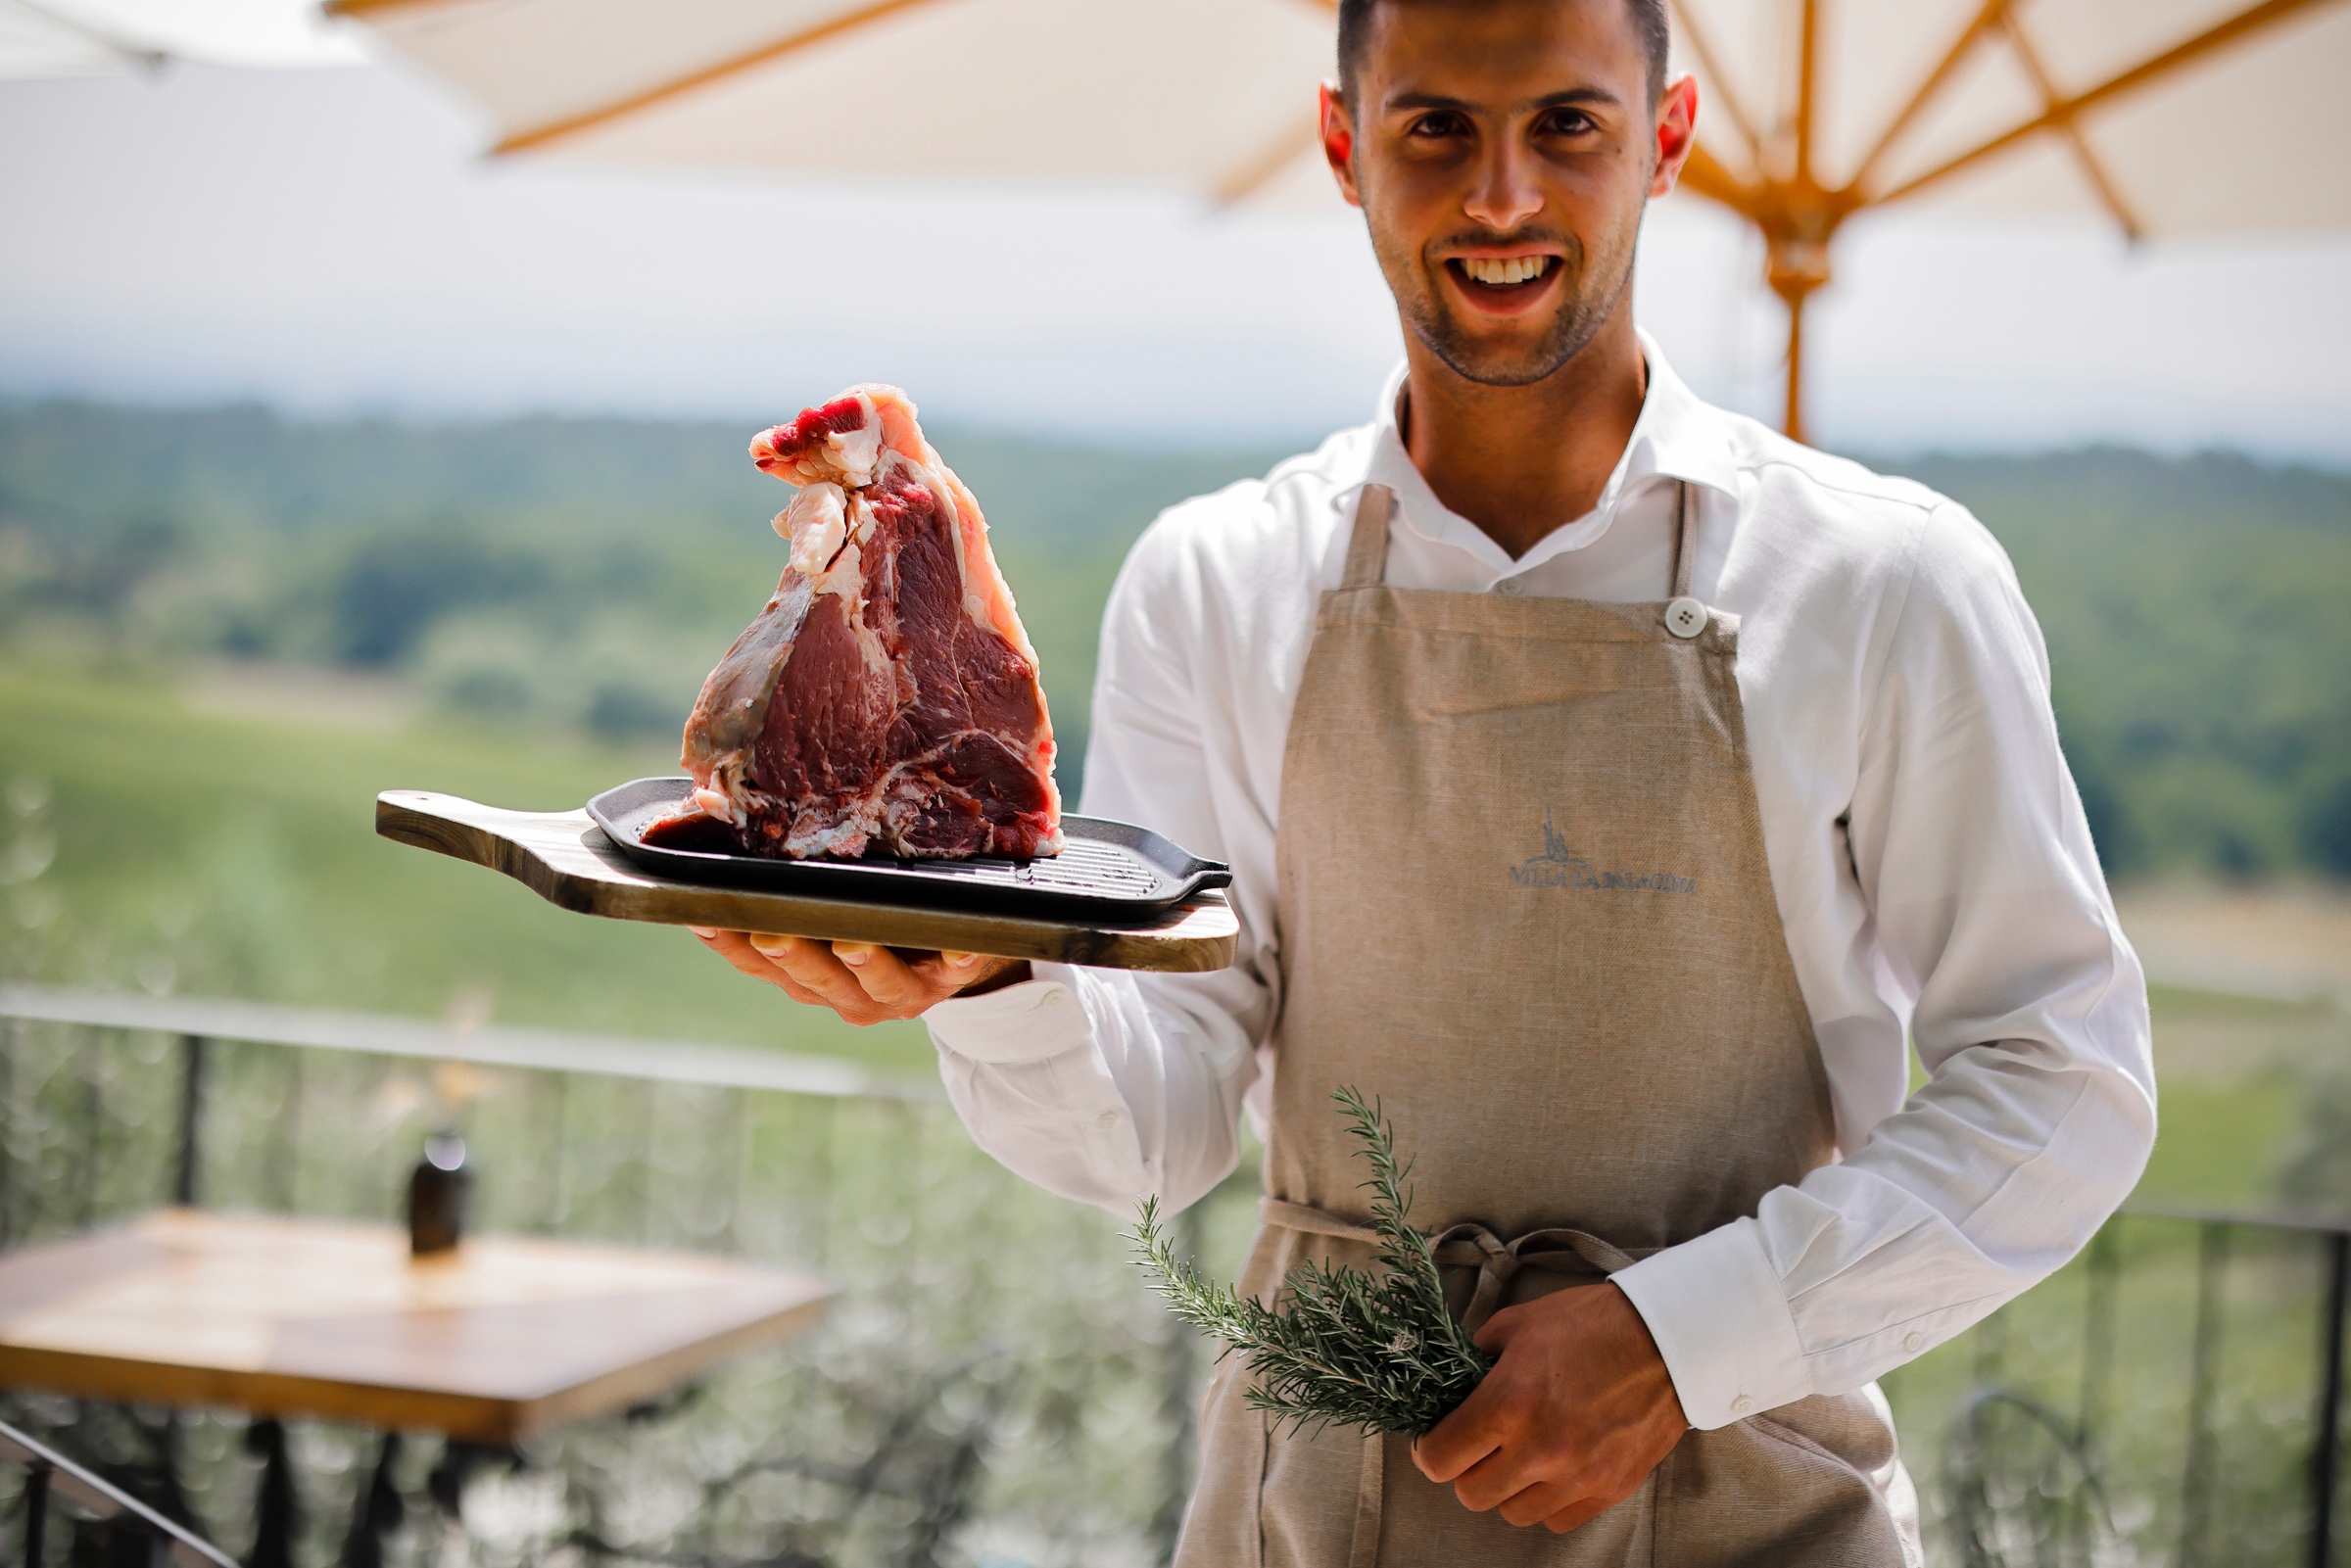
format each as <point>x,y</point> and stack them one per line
<point>1567,123</point>
<point>1437,125</point>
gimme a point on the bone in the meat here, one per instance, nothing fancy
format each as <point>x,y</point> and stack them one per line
<point>887,697</point>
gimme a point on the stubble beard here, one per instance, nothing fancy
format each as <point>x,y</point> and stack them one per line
<point>1591,295</point>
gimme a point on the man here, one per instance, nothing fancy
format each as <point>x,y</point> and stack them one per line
<point>1607,779</point>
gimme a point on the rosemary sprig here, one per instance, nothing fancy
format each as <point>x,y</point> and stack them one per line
<point>1341,1348</point>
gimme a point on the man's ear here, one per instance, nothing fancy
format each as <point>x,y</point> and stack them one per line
<point>1338,143</point>
<point>1677,134</point>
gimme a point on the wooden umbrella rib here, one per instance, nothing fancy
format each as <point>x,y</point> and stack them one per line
<point>1695,36</point>
<point>1952,58</point>
<point>2069,126</point>
<point>1703,174</point>
<point>1807,81</point>
<point>2244,23</point>
<point>765,54</point>
<point>1246,179</point>
<point>356,8</point>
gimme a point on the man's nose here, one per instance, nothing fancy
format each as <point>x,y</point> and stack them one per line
<point>1505,194</point>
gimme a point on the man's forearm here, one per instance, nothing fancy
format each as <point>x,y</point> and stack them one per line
<point>1077,1082</point>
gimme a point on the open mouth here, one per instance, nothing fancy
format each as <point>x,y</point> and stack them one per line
<point>1502,280</point>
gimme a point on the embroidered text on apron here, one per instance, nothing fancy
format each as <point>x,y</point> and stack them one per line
<point>1523,901</point>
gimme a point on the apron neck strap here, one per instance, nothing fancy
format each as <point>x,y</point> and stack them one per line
<point>1685,539</point>
<point>1375,504</point>
<point>1367,550</point>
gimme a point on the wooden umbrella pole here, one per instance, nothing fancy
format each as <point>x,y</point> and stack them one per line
<point>1792,421</point>
<point>1797,234</point>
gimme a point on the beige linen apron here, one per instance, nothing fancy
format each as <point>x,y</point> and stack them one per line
<point>1523,901</point>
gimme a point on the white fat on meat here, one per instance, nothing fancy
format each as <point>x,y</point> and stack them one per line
<point>816,523</point>
<point>856,453</point>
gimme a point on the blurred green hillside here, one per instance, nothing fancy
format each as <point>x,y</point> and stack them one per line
<point>2199,642</point>
<point>579,576</point>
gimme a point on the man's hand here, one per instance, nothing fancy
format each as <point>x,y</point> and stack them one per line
<point>1577,1411</point>
<point>862,982</point>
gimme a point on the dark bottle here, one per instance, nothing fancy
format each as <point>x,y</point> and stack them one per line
<point>439,1191</point>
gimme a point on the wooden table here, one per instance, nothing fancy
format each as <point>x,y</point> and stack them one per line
<point>502,1339</point>
<point>488,1345</point>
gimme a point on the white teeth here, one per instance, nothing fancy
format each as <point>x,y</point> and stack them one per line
<point>1516,269</point>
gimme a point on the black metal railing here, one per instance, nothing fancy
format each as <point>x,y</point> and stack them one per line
<point>994,1370</point>
<point>2173,1396</point>
<point>54,1491</point>
<point>992,1362</point>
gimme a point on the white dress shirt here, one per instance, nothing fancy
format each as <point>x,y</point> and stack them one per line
<point>1928,854</point>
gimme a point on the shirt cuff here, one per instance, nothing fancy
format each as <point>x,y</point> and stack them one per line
<point>1719,1314</point>
<point>1025,1022</point>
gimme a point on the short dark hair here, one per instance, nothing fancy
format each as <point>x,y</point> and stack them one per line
<point>1649,25</point>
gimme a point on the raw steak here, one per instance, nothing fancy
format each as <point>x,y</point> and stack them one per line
<point>885,701</point>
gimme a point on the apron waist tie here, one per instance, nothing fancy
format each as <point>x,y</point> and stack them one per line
<point>1466,1244</point>
<point>1470,1245</point>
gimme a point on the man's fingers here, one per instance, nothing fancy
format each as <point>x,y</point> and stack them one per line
<point>1580,1513</point>
<point>813,965</point>
<point>956,969</point>
<point>1462,1440</point>
<point>1542,1502</point>
<point>1493,1336</point>
<point>889,979</point>
<point>737,949</point>
<point>862,981</point>
<point>1500,1476</point>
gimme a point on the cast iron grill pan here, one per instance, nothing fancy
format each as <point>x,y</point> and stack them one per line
<point>1105,869</point>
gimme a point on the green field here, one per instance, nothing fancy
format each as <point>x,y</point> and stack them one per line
<point>217,855</point>
<point>222,856</point>
<point>581,575</point>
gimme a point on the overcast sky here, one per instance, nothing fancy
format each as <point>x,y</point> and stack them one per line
<point>330,241</point>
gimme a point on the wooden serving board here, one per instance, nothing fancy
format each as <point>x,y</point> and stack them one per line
<point>566,860</point>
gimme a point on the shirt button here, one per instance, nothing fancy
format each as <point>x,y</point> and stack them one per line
<point>1684,617</point>
<point>1053,998</point>
<point>1509,586</point>
<point>1108,1119</point>
<point>1913,1340</point>
<point>1742,1405</point>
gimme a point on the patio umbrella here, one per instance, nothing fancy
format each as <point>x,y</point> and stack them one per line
<point>36,41</point>
<point>2169,116</point>
<point>2172,118</point>
<point>104,37</point>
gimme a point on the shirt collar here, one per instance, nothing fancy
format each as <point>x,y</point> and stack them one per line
<point>1677,436</point>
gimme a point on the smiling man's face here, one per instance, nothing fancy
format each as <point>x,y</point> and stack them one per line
<point>1502,151</point>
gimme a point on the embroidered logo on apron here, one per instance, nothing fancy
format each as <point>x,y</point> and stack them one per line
<point>1559,866</point>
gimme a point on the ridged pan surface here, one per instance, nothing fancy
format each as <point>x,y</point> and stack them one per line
<point>1105,868</point>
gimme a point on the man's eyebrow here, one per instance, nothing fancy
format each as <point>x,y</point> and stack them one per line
<point>1567,98</point>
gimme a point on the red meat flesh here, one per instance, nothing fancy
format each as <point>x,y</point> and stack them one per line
<point>885,701</point>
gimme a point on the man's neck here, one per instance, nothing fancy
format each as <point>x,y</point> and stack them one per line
<point>1520,461</point>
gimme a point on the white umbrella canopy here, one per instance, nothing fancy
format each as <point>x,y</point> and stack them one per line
<point>1208,95</point>
<point>2171,116</point>
<point>36,41</point>
<point>100,37</point>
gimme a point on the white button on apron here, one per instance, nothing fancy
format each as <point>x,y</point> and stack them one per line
<point>1684,617</point>
<point>1509,586</point>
